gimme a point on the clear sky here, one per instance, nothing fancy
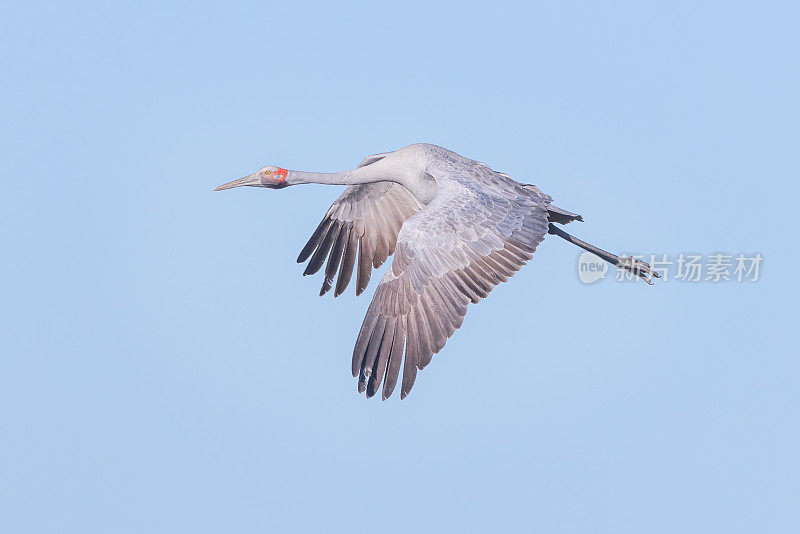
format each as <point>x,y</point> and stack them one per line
<point>166,368</point>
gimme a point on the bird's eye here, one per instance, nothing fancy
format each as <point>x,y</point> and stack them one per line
<point>269,172</point>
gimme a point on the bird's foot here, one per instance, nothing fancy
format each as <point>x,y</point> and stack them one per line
<point>638,267</point>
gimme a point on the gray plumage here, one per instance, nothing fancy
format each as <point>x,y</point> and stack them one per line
<point>456,228</point>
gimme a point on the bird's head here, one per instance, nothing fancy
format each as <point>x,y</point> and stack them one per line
<point>270,176</point>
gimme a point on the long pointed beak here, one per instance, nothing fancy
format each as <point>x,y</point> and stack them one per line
<point>253,179</point>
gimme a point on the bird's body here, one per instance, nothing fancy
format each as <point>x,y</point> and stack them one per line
<point>457,228</point>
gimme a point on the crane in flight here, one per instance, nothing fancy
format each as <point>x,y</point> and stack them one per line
<point>456,228</point>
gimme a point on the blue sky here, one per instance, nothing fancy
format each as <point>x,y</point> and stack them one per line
<point>167,368</point>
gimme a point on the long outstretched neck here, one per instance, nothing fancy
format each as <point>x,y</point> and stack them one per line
<point>362,175</point>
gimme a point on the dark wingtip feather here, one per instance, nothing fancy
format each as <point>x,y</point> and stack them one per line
<point>335,258</point>
<point>348,261</point>
<point>339,290</point>
<point>395,359</point>
<point>322,252</point>
<point>314,240</point>
<point>364,335</point>
<point>382,358</point>
<point>307,250</point>
<point>326,286</point>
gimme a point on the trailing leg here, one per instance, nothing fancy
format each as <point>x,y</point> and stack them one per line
<point>638,267</point>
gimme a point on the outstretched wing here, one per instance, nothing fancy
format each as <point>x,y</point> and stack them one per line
<point>472,236</point>
<point>363,222</point>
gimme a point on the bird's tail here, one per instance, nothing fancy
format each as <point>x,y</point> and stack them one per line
<point>554,213</point>
<point>561,216</point>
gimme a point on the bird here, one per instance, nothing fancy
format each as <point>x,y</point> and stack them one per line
<point>456,227</point>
